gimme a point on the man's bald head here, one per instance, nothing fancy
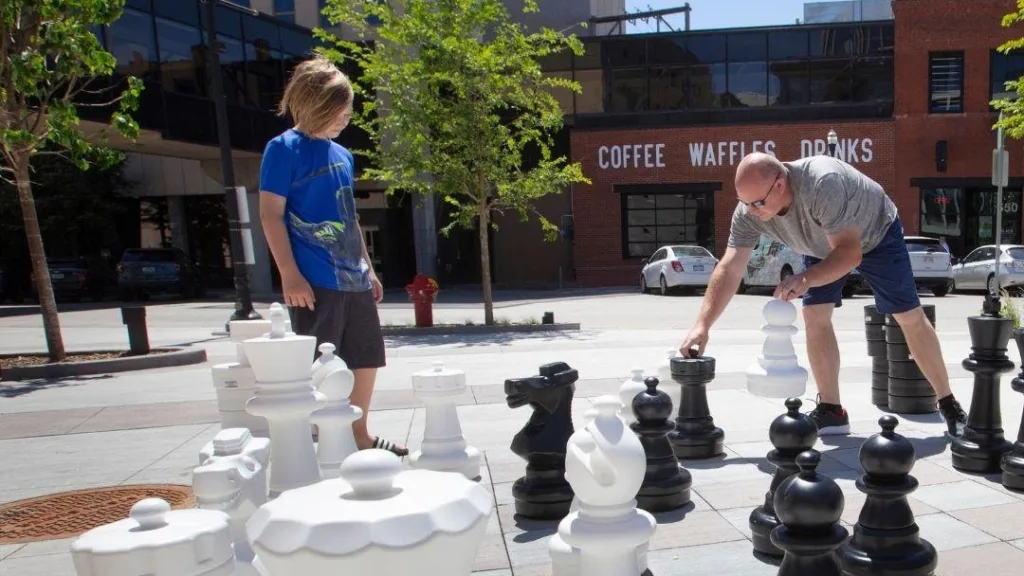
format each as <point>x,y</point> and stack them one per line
<point>757,168</point>
<point>757,177</point>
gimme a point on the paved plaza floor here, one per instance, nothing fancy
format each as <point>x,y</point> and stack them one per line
<point>148,426</point>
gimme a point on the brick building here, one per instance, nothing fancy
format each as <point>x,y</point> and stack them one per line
<point>660,130</point>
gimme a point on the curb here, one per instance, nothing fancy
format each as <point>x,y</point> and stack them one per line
<point>175,357</point>
<point>448,330</point>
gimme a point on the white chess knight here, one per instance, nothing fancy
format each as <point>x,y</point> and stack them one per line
<point>605,465</point>
<point>777,373</point>
<point>285,397</point>
<point>336,441</point>
<point>444,447</point>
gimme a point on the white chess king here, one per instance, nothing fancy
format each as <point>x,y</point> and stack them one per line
<point>777,373</point>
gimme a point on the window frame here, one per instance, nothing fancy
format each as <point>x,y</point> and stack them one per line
<point>932,57</point>
<point>709,205</point>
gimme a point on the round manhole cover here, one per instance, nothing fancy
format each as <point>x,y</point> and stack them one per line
<point>70,514</point>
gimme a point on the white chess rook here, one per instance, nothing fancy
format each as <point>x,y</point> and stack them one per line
<point>286,398</point>
<point>605,465</point>
<point>629,389</point>
<point>777,373</point>
<point>334,421</point>
<point>444,446</point>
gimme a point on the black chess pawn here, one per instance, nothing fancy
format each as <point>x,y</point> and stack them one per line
<point>886,539</point>
<point>809,506</point>
<point>543,493</point>
<point>791,434</point>
<point>666,484</point>
<point>696,435</point>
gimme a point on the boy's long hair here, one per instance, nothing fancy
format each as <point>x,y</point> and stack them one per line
<point>316,94</point>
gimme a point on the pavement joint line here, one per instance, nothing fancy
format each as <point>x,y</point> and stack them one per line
<point>171,451</point>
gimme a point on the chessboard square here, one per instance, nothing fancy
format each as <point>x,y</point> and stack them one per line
<point>1018,543</point>
<point>697,529</point>
<point>728,558</point>
<point>929,473</point>
<point>855,502</point>
<point>739,494</point>
<point>947,533</point>
<point>729,467</point>
<point>529,549</point>
<point>512,523</point>
<point>740,518</point>
<point>998,559</point>
<point>961,496</point>
<point>1003,522</point>
<point>504,465</point>
<point>492,554</point>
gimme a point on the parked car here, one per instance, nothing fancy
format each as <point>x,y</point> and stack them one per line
<point>931,264</point>
<point>770,262</point>
<point>146,271</point>
<point>73,278</point>
<point>683,266</point>
<point>977,271</point>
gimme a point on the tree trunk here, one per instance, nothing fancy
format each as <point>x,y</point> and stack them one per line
<point>40,269</point>
<point>485,258</point>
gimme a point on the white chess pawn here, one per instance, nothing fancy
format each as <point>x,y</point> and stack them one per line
<point>326,363</point>
<point>334,421</point>
<point>444,447</point>
<point>629,389</point>
<point>605,465</point>
<point>777,373</point>
<point>286,398</point>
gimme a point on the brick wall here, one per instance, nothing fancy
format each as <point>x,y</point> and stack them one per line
<point>597,209</point>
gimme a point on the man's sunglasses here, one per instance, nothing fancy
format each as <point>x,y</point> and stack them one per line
<point>760,203</point>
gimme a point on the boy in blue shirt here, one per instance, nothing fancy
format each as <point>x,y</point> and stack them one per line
<point>309,217</point>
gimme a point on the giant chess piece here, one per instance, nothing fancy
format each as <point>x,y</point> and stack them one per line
<point>776,373</point>
<point>336,441</point>
<point>886,539</point>
<point>981,447</point>
<point>605,466</point>
<point>543,492</point>
<point>791,434</point>
<point>809,506</point>
<point>629,389</point>
<point>286,398</point>
<point>909,389</point>
<point>874,332</point>
<point>235,382</point>
<point>1013,461</point>
<point>325,363</point>
<point>696,435</point>
<point>666,483</point>
<point>444,446</point>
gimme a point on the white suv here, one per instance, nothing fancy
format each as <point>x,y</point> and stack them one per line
<point>931,264</point>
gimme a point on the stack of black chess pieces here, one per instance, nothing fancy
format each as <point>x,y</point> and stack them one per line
<point>897,382</point>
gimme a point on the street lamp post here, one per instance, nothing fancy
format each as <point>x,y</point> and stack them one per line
<point>833,141</point>
<point>236,199</point>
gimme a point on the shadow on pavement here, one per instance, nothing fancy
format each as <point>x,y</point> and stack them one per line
<point>21,388</point>
<point>498,338</point>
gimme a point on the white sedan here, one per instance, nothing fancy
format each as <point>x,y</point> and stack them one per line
<point>688,267</point>
<point>977,271</point>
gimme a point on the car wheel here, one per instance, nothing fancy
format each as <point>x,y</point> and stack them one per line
<point>941,291</point>
<point>643,284</point>
<point>664,286</point>
<point>742,288</point>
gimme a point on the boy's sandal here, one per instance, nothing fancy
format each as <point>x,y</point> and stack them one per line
<point>382,444</point>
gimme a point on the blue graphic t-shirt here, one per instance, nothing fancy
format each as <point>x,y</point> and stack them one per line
<point>315,176</point>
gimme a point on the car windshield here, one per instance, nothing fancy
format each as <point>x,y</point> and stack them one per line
<point>1016,253</point>
<point>690,252</point>
<point>923,245</point>
<point>148,256</point>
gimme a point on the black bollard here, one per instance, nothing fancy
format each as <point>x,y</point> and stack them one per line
<point>982,445</point>
<point>886,539</point>
<point>1012,462</point>
<point>134,317</point>
<point>791,434</point>
<point>909,390</point>
<point>874,322</point>
<point>809,505</point>
<point>666,483</point>
<point>543,493</point>
<point>696,435</point>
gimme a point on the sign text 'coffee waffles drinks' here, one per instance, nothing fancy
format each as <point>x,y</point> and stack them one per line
<point>726,153</point>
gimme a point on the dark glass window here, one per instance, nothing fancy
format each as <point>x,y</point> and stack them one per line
<point>181,57</point>
<point>748,84</point>
<point>627,90</point>
<point>942,212</point>
<point>708,48</point>
<point>261,32</point>
<point>232,63</point>
<point>668,88</point>
<point>229,22</point>
<point>789,83</point>
<point>873,79</point>
<point>668,50</point>
<point>650,221</point>
<point>625,53</point>
<point>748,46</point>
<point>708,86</point>
<point>787,45</point>
<point>1005,67</point>
<point>130,40</point>
<point>831,81</point>
<point>877,39</point>
<point>285,10</point>
<point>140,4</point>
<point>832,42</point>
<point>945,82</point>
<point>185,11</point>
<point>295,43</point>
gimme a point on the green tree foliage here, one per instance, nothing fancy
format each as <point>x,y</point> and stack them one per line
<point>1012,108</point>
<point>452,95</point>
<point>53,63</point>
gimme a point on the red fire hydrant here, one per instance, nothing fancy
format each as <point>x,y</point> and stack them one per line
<point>422,292</point>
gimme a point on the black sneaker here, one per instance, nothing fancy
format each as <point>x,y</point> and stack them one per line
<point>829,421</point>
<point>955,418</point>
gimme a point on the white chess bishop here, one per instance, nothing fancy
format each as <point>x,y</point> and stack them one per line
<point>777,373</point>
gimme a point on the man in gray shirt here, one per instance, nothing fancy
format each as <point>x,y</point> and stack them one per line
<point>838,219</point>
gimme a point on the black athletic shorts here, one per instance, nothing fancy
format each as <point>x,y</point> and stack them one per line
<point>349,320</point>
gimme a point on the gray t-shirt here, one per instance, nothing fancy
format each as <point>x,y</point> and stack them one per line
<point>828,196</point>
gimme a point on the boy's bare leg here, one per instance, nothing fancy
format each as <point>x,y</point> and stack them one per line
<point>362,392</point>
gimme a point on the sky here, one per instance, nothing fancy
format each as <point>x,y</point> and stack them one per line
<point>709,14</point>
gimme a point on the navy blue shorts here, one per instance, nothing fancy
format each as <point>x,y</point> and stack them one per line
<point>886,268</point>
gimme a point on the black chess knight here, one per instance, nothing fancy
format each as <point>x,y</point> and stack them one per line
<point>543,493</point>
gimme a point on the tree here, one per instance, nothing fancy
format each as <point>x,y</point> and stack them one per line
<point>53,63</point>
<point>453,97</point>
<point>1012,107</point>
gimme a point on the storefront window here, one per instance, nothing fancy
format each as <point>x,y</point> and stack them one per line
<point>941,212</point>
<point>966,217</point>
<point>651,221</point>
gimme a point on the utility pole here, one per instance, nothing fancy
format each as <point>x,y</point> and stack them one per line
<point>237,203</point>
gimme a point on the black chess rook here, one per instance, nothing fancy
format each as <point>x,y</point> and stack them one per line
<point>696,435</point>
<point>909,389</point>
<point>981,447</point>
<point>666,483</point>
<point>1012,462</point>
<point>809,506</point>
<point>791,434</point>
<point>874,332</point>
<point>886,539</point>
<point>543,493</point>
